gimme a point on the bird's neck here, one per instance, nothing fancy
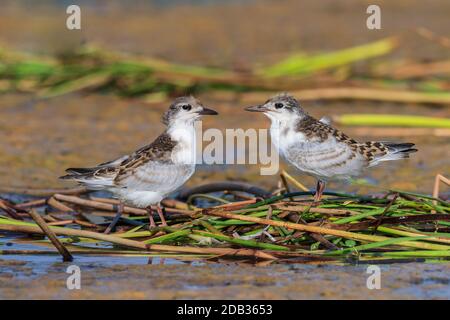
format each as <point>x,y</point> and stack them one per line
<point>284,123</point>
<point>181,131</point>
<point>184,134</point>
<point>282,131</point>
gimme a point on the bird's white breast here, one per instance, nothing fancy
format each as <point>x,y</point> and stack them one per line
<point>185,150</point>
<point>283,136</point>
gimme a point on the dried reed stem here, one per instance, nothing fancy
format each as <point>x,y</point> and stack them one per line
<point>52,236</point>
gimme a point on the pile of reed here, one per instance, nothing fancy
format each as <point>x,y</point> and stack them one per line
<point>330,75</point>
<point>286,227</point>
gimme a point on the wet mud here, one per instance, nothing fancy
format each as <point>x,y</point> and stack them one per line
<point>209,280</point>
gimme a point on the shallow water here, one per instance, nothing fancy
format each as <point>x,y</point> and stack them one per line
<point>163,277</point>
<point>113,278</point>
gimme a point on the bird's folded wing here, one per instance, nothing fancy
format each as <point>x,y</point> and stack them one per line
<point>114,162</point>
<point>151,176</point>
<point>145,166</point>
<point>142,166</point>
<point>325,157</point>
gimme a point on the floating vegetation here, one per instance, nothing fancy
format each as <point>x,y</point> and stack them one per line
<point>233,224</point>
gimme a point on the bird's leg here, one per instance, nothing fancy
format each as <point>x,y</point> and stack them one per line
<point>111,226</point>
<point>319,190</point>
<point>161,215</point>
<point>150,217</point>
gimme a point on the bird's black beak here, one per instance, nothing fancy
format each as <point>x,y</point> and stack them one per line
<point>208,112</point>
<point>258,108</point>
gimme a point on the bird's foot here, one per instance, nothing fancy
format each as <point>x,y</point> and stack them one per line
<point>161,216</point>
<point>319,191</point>
<point>116,219</point>
<point>152,223</point>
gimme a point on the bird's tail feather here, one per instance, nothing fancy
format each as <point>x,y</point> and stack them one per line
<point>88,178</point>
<point>401,149</point>
<point>76,173</point>
<point>395,151</point>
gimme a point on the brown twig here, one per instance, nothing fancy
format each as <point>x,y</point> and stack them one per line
<point>66,222</point>
<point>58,205</point>
<point>111,205</point>
<point>49,218</point>
<point>142,246</point>
<point>236,205</point>
<point>31,204</point>
<point>286,185</point>
<point>320,238</point>
<point>439,178</point>
<point>97,204</point>
<point>4,205</point>
<point>52,236</point>
<point>286,176</point>
<point>286,206</point>
<point>60,222</point>
<point>386,209</point>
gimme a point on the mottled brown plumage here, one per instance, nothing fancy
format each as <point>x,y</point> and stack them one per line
<point>316,148</point>
<point>315,130</point>
<point>146,176</point>
<point>159,151</point>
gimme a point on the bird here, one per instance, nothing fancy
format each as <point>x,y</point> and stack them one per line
<point>315,148</point>
<point>145,177</point>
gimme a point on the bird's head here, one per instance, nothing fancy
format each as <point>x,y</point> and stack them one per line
<point>282,107</point>
<point>184,111</point>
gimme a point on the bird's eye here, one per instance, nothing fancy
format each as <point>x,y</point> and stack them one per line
<point>279,105</point>
<point>186,107</point>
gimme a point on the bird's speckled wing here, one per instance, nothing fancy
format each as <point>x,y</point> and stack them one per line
<point>155,176</point>
<point>328,153</point>
<point>325,152</point>
<point>145,162</point>
<point>330,158</point>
